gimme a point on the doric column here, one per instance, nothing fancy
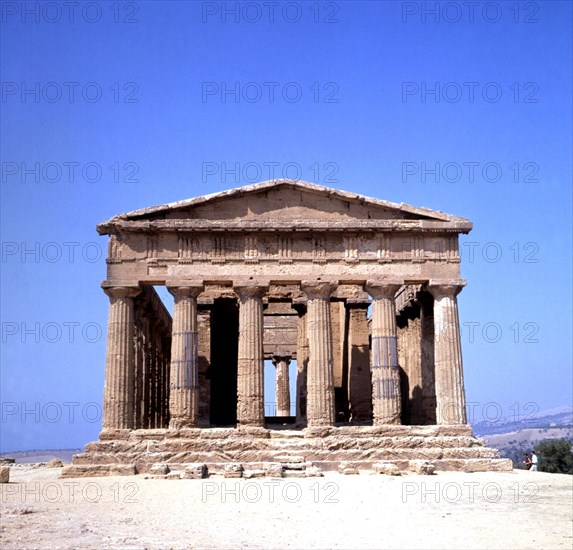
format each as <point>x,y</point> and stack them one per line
<point>386,398</point>
<point>184,376</point>
<point>320,389</point>
<point>118,406</point>
<point>250,376</point>
<point>450,393</point>
<point>282,386</point>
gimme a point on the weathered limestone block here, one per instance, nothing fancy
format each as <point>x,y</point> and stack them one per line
<point>294,473</point>
<point>97,470</point>
<point>387,468</point>
<point>55,463</point>
<point>290,459</point>
<point>159,469</point>
<point>347,469</point>
<point>273,469</point>
<point>233,469</point>
<point>423,467</point>
<point>251,474</point>
<point>313,471</point>
<point>4,474</point>
<point>195,471</point>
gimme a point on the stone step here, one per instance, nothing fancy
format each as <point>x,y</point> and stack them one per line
<point>315,455</point>
<point>283,445</point>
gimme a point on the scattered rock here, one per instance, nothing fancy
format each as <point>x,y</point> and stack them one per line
<point>18,511</point>
<point>249,474</point>
<point>159,469</point>
<point>312,471</point>
<point>424,467</point>
<point>347,469</point>
<point>386,468</point>
<point>273,469</point>
<point>4,474</point>
<point>196,470</point>
<point>234,469</point>
<point>55,463</point>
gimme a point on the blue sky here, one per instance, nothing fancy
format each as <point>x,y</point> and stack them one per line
<point>124,105</point>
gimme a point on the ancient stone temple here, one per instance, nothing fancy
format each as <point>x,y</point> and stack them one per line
<point>361,293</point>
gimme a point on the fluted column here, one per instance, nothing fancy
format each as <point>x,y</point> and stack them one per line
<point>386,398</point>
<point>250,376</point>
<point>118,403</point>
<point>450,392</point>
<point>184,375</point>
<point>320,389</point>
<point>282,387</point>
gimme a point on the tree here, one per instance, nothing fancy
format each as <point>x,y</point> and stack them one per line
<point>555,456</point>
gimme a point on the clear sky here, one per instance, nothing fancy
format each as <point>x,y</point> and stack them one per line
<point>108,107</point>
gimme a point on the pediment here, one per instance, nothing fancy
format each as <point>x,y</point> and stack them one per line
<point>283,202</point>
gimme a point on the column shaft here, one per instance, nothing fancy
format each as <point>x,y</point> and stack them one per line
<point>118,408</point>
<point>250,376</point>
<point>320,389</point>
<point>184,377</point>
<point>450,393</point>
<point>282,385</point>
<point>386,397</point>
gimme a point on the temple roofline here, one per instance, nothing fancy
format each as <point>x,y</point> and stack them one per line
<point>461,224</point>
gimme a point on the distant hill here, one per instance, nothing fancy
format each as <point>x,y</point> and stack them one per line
<point>560,417</point>
<point>514,437</point>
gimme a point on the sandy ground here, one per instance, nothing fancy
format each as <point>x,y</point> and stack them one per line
<point>447,510</point>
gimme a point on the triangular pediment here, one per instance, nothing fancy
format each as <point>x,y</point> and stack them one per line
<point>284,201</point>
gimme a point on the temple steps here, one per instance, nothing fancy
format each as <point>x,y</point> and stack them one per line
<point>448,448</point>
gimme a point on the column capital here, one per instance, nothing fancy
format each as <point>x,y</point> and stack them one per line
<point>121,291</point>
<point>383,288</point>
<point>318,289</point>
<point>250,289</point>
<point>441,288</point>
<point>278,358</point>
<point>181,289</point>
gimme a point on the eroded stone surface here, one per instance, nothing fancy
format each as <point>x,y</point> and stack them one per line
<point>4,474</point>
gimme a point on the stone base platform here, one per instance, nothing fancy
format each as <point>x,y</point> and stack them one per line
<point>124,452</point>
